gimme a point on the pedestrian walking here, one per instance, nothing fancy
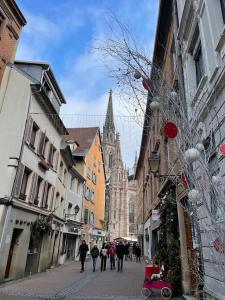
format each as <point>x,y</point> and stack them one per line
<point>83,249</point>
<point>126,249</point>
<point>94,255</point>
<point>138,253</point>
<point>130,252</point>
<point>103,255</point>
<point>120,251</point>
<point>112,253</point>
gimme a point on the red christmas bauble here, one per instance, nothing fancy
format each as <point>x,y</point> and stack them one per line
<point>170,130</point>
<point>147,84</point>
<point>222,149</point>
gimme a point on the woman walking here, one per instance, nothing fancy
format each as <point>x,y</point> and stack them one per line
<point>112,253</point>
<point>103,255</point>
<point>94,255</point>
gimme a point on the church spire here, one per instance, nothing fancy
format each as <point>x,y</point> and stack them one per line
<point>109,122</point>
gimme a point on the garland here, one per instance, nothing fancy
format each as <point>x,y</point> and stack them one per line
<point>41,226</point>
<point>168,250</point>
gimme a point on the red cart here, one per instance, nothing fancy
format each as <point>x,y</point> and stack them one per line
<point>152,284</point>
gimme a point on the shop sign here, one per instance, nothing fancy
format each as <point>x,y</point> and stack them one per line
<point>155,215</point>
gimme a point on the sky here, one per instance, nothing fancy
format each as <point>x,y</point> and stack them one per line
<point>63,33</point>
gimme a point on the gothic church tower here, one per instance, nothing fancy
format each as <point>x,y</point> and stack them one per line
<point>116,207</point>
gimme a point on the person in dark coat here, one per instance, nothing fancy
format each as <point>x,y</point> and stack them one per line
<point>138,253</point>
<point>83,249</point>
<point>103,255</point>
<point>94,255</point>
<point>126,247</point>
<point>120,251</point>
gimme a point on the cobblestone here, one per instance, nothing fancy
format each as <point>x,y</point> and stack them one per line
<point>67,283</point>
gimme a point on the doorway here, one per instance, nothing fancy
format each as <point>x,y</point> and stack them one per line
<point>12,250</point>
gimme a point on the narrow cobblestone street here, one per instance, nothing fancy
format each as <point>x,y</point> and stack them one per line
<point>67,283</point>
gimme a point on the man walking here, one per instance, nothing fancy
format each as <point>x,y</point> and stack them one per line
<point>94,255</point>
<point>120,251</point>
<point>83,249</point>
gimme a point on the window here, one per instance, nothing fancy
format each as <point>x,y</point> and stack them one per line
<point>92,218</point>
<point>86,216</point>
<point>222,3</point>
<point>94,178</point>
<point>72,183</point>
<point>89,173</point>
<point>99,167</point>
<point>61,170</point>
<point>33,135</point>
<point>37,194</point>
<point>23,191</point>
<point>94,161</point>
<point>199,66</point>
<point>45,147</point>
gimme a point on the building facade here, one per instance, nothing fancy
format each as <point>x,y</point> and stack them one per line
<point>117,190</point>
<point>11,24</point>
<point>162,193</point>
<point>89,163</point>
<point>200,33</point>
<point>31,232</point>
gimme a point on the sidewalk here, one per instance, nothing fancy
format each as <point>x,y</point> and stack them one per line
<point>66,282</point>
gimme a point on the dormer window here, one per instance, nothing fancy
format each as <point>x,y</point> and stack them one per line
<point>73,145</point>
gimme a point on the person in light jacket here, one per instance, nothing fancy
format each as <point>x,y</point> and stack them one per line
<point>103,255</point>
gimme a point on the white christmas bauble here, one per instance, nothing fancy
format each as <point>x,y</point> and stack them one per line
<point>154,105</point>
<point>137,75</point>
<point>192,155</point>
<point>200,147</point>
<point>173,95</point>
<point>216,179</point>
<point>194,195</point>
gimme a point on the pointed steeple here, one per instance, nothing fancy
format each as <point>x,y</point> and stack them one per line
<point>109,122</point>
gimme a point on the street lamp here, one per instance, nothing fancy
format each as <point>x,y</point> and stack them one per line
<point>154,162</point>
<point>76,211</point>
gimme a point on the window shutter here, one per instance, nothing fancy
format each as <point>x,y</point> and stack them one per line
<point>50,157</point>
<point>56,161</point>
<point>52,198</point>
<point>29,127</point>
<point>86,216</point>
<point>41,143</point>
<point>49,153</point>
<point>33,188</point>
<point>19,179</point>
<point>44,194</point>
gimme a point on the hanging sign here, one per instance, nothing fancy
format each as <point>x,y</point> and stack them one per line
<point>222,149</point>
<point>170,130</point>
<point>155,215</point>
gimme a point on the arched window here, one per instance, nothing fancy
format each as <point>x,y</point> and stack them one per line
<point>110,160</point>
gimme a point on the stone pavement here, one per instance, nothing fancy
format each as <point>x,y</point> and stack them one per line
<point>66,283</point>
